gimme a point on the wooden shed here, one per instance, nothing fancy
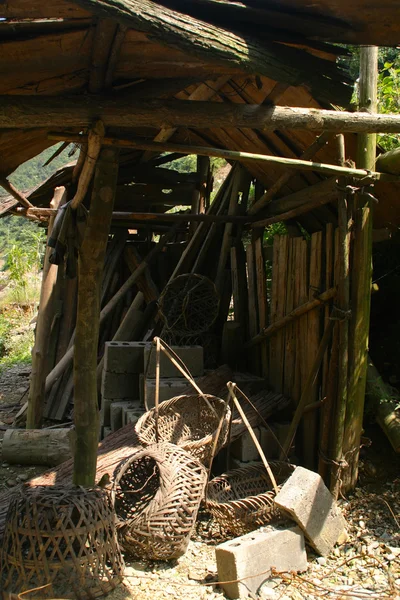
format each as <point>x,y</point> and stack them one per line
<point>136,85</point>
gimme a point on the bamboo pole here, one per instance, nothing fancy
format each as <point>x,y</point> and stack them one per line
<point>292,316</point>
<point>11,189</point>
<point>90,264</point>
<point>361,277</point>
<point>270,194</point>
<point>292,163</point>
<point>43,327</point>
<point>94,141</point>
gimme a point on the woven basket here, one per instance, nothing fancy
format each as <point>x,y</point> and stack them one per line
<point>157,493</point>
<point>187,421</point>
<point>62,536</point>
<point>242,500</point>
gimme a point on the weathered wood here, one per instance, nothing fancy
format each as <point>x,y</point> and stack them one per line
<point>111,304</point>
<point>49,447</point>
<point>254,362</point>
<point>145,282</point>
<point>90,264</point>
<point>261,279</point>
<point>239,286</point>
<point>93,148</point>
<point>102,42</point>
<point>293,163</point>
<point>384,400</point>
<point>266,198</point>
<point>217,44</point>
<point>44,323</point>
<point>11,189</point>
<point>361,277</point>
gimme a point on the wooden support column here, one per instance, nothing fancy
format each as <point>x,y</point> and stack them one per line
<point>91,261</point>
<point>199,193</point>
<point>361,276</point>
<point>43,328</point>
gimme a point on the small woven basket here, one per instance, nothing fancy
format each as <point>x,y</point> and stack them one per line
<point>242,499</point>
<point>189,422</point>
<point>62,539</point>
<point>157,493</point>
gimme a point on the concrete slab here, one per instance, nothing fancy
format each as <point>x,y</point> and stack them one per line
<point>251,557</point>
<point>310,504</point>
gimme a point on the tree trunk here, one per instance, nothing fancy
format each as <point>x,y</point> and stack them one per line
<point>91,261</point>
<point>126,111</point>
<point>48,447</point>
<point>361,278</point>
<point>384,402</point>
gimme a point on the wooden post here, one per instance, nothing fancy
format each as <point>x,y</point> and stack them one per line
<point>43,328</point>
<point>361,276</point>
<point>91,261</point>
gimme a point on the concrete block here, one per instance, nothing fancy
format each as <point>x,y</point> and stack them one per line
<point>125,357</point>
<point>169,388</point>
<point>255,554</point>
<point>272,439</point>
<point>105,411</point>
<point>244,448</point>
<point>310,504</point>
<point>131,415</point>
<point>106,431</point>
<point>119,386</point>
<point>117,409</point>
<point>192,356</point>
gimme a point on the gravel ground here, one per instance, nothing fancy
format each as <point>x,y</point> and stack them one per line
<point>366,566</point>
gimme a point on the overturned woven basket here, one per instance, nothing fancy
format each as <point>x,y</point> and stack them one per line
<point>187,421</point>
<point>242,500</point>
<point>157,493</point>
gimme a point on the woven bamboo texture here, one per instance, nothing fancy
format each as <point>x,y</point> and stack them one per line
<point>186,421</point>
<point>189,305</point>
<point>63,536</point>
<point>243,499</point>
<point>157,493</point>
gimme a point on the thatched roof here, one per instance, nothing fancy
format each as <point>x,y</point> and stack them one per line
<point>235,52</point>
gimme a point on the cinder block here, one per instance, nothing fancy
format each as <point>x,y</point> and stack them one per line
<point>105,411</point>
<point>125,357</point>
<point>257,552</point>
<point>106,431</point>
<point>244,448</point>
<point>310,504</point>
<point>116,412</point>
<point>131,415</point>
<point>273,439</point>
<point>119,386</point>
<point>192,356</point>
<point>169,388</point>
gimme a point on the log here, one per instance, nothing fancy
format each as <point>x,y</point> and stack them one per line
<point>385,403</point>
<point>145,282</point>
<point>47,306</point>
<point>90,267</point>
<point>361,277</point>
<point>125,111</point>
<point>48,447</point>
<point>11,189</point>
<point>389,162</point>
<point>292,163</point>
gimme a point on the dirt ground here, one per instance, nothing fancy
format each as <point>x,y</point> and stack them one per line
<point>366,566</point>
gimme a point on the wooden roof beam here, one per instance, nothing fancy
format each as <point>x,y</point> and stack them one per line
<point>125,111</point>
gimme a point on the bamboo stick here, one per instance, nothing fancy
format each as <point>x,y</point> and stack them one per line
<point>11,189</point>
<point>285,177</point>
<point>94,143</point>
<point>293,163</point>
<point>43,328</point>
<point>68,356</point>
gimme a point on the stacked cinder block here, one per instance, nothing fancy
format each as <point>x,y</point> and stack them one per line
<point>172,381</point>
<point>123,365</point>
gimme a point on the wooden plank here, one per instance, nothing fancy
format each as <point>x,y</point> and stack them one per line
<point>261,278</point>
<point>281,308</point>
<point>239,286</point>
<point>252,306</point>
<point>288,332</point>
<point>309,424</point>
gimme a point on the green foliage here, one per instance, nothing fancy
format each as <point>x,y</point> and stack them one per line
<point>16,336</point>
<point>272,230</point>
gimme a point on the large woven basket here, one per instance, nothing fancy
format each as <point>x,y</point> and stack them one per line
<point>62,540</point>
<point>243,499</point>
<point>189,422</point>
<point>157,493</point>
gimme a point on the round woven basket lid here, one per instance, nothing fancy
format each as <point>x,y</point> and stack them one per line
<point>189,304</point>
